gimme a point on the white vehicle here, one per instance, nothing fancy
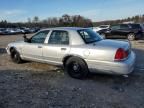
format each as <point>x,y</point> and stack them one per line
<point>78,50</point>
<point>96,29</point>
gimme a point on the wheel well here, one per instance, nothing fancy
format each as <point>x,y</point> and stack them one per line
<point>12,48</point>
<point>67,57</point>
<point>131,33</point>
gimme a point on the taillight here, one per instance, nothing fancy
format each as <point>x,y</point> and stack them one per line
<point>121,54</point>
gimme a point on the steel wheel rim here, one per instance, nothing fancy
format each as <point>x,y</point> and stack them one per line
<point>74,69</point>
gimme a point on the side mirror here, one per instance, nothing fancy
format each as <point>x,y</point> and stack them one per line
<point>25,38</point>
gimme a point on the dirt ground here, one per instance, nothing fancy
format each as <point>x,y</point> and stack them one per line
<point>36,85</point>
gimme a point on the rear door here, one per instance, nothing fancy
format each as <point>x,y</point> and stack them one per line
<point>58,46</point>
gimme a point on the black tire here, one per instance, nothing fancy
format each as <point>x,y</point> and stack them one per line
<point>76,68</point>
<point>15,56</point>
<point>131,36</point>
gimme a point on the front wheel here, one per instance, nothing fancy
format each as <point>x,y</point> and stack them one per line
<point>76,68</point>
<point>15,56</point>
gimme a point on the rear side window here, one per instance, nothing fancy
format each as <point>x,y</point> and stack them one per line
<point>135,26</point>
<point>59,37</point>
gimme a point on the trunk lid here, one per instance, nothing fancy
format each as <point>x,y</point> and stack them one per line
<point>113,44</point>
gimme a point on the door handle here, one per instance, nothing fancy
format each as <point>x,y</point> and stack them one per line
<point>39,46</point>
<point>63,49</point>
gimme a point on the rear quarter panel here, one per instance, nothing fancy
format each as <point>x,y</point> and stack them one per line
<point>89,52</point>
<point>98,53</point>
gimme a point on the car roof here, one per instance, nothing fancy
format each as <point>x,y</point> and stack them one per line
<point>65,28</point>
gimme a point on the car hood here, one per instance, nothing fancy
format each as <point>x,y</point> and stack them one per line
<point>112,44</point>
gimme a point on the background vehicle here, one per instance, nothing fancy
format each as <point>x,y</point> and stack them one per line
<point>2,31</point>
<point>79,50</point>
<point>11,31</point>
<point>128,31</point>
<point>14,31</point>
<point>96,29</point>
<point>29,30</point>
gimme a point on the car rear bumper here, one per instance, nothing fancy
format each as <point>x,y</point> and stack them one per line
<point>120,68</point>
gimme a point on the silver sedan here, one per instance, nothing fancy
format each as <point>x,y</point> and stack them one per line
<point>78,50</point>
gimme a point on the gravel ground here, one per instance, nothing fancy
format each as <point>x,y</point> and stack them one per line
<point>36,85</point>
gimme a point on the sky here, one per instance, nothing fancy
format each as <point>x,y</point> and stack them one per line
<point>96,10</point>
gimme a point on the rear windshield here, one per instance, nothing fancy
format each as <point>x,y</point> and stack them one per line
<point>89,36</point>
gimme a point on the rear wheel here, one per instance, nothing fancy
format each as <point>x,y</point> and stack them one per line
<point>15,56</point>
<point>131,36</point>
<point>76,68</point>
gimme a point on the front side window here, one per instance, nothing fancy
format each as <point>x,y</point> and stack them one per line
<point>39,37</point>
<point>89,36</point>
<point>124,26</point>
<point>115,27</point>
<point>59,37</point>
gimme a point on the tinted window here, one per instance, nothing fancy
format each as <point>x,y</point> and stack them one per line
<point>124,26</point>
<point>59,37</point>
<point>89,36</point>
<point>39,37</point>
<point>115,27</point>
<point>135,26</point>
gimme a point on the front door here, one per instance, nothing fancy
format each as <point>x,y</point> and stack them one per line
<point>124,30</point>
<point>33,49</point>
<point>115,31</point>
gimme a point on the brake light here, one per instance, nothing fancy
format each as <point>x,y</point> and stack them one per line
<point>121,54</point>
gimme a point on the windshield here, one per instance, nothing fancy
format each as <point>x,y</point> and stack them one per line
<point>89,36</point>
